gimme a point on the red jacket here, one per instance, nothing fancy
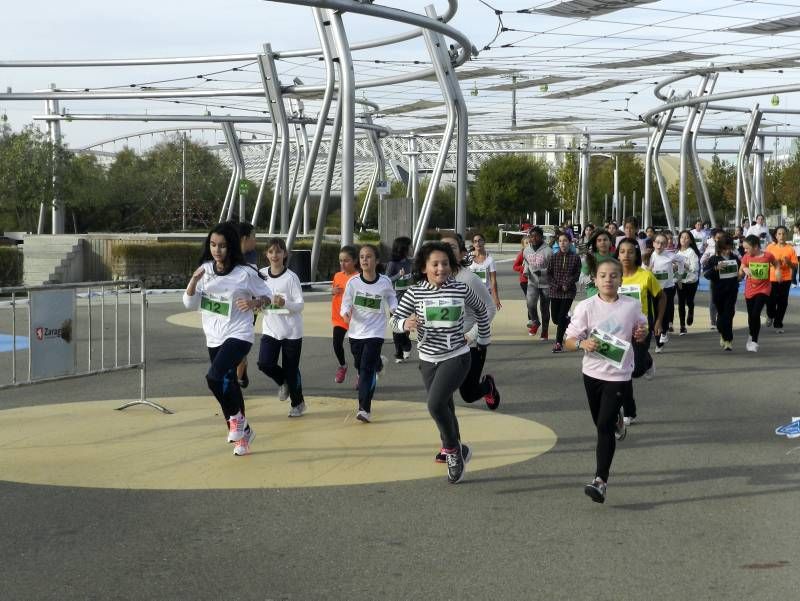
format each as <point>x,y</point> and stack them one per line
<point>520,268</point>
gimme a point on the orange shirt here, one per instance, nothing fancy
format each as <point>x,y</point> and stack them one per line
<point>339,281</point>
<point>782,254</point>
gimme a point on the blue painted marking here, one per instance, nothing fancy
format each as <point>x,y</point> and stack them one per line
<point>791,430</point>
<point>7,343</point>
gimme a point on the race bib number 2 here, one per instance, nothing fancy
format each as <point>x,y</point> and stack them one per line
<point>443,313</point>
<point>609,347</point>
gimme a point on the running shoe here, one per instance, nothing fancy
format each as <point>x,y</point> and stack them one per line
<point>752,347</point>
<point>533,329</point>
<point>682,332</point>
<point>620,431</point>
<point>670,329</point>
<point>283,392</point>
<point>728,346</point>
<point>341,372</point>
<point>236,427</point>
<point>298,411</point>
<point>659,349</point>
<point>406,355</point>
<point>650,373</point>
<point>544,335</point>
<point>557,348</point>
<point>768,323</point>
<point>493,397</point>
<point>627,421</point>
<point>398,359</point>
<point>690,316</point>
<point>364,416</point>
<point>713,325</point>
<point>455,465</point>
<point>244,382</point>
<point>779,331</point>
<point>596,490</point>
<point>664,338</point>
<point>243,446</point>
<point>441,456</point>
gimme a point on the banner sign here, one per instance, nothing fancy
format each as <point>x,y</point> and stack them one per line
<point>52,333</point>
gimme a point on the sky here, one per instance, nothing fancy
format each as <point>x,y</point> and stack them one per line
<point>537,45</point>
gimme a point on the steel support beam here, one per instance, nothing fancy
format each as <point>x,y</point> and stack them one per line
<point>661,131</point>
<point>686,157</point>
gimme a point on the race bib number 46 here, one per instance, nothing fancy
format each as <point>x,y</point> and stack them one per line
<point>216,305</point>
<point>443,313</point>
<point>759,271</point>
<point>610,348</point>
<point>367,302</point>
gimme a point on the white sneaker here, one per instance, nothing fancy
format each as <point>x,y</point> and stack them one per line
<point>406,355</point>
<point>627,421</point>
<point>779,331</point>
<point>751,346</point>
<point>243,446</point>
<point>236,427</point>
<point>659,349</point>
<point>664,338</point>
<point>283,392</point>
<point>298,411</point>
<point>650,373</point>
<point>364,416</point>
<point>398,359</point>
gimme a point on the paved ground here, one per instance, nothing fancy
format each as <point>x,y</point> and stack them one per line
<point>703,499</point>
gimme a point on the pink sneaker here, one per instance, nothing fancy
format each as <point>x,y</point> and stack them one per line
<point>341,372</point>
<point>236,427</point>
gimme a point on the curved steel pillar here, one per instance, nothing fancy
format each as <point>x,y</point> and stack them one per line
<point>324,199</point>
<point>662,185</point>
<point>685,157</point>
<point>696,166</point>
<point>264,177</point>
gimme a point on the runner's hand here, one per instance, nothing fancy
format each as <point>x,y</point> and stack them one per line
<point>589,345</point>
<point>410,324</point>
<point>336,290</point>
<point>198,273</point>
<point>640,332</point>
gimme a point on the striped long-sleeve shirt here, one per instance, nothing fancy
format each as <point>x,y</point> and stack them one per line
<point>440,318</point>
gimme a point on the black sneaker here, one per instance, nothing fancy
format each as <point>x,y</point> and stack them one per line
<point>596,490</point>
<point>492,398</point>
<point>441,456</point>
<point>455,466</point>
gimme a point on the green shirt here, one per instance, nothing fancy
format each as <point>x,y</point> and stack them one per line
<point>591,289</point>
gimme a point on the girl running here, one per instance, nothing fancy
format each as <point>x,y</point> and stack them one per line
<point>484,267</point>
<point>282,328</point>
<point>537,259</point>
<point>757,286</point>
<point>603,326</point>
<point>781,278</point>
<point>348,263</point>
<point>664,264</point>
<point>226,291</point>
<point>563,273</point>
<point>434,307</point>
<point>689,279</point>
<point>722,271</point>
<point>598,248</point>
<point>399,272</point>
<point>366,300</point>
<point>640,284</point>
<point>473,387</point>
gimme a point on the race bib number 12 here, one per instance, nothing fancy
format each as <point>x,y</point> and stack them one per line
<point>216,305</point>
<point>367,302</point>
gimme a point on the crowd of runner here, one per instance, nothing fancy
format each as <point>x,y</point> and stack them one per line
<point>446,296</point>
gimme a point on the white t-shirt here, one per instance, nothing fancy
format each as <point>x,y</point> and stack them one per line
<point>663,267</point>
<point>482,270</point>
<point>691,265</point>
<point>369,302</point>
<point>699,238</point>
<point>762,232</point>
<point>283,323</point>
<point>216,295</point>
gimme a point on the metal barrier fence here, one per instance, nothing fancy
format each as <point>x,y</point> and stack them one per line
<point>56,346</point>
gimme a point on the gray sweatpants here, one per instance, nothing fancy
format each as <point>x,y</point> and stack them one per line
<point>540,297</point>
<point>441,381</point>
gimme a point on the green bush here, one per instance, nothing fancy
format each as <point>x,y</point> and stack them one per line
<point>10,266</point>
<point>157,264</point>
<point>364,237</point>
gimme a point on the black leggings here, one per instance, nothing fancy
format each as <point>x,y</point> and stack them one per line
<point>669,314</point>
<point>778,302</point>
<point>472,388</point>
<point>221,376</point>
<point>686,299</point>
<point>289,371</point>
<point>338,344</point>
<point>726,309</point>
<point>367,357</point>
<point>441,381</point>
<point>605,399</point>
<point>402,343</point>
<point>754,307</point>
<point>559,311</point>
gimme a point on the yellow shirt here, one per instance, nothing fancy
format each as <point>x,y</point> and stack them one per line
<point>647,285</point>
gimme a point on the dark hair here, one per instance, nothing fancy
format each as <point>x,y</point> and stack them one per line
<point>725,242</point>
<point>280,243</point>
<point>465,261</point>
<point>636,247</point>
<point>379,267</point>
<point>352,251</point>
<point>400,248</point>
<point>536,230</point>
<point>601,262</point>
<point>421,258</point>
<point>591,245</point>
<point>245,229</point>
<point>753,241</point>
<point>782,227</point>
<point>632,221</point>
<point>234,255</point>
<point>692,243</point>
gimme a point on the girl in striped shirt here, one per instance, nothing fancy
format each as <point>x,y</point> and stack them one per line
<point>434,307</point>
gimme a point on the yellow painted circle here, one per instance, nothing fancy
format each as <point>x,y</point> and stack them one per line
<point>91,445</point>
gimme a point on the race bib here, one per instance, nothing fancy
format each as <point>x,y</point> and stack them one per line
<point>609,348</point>
<point>365,301</point>
<point>481,274</point>
<point>443,312</point>
<point>275,310</point>
<point>403,282</point>
<point>759,271</point>
<point>661,275</point>
<point>218,306</point>
<point>728,269</point>
<point>632,290</point>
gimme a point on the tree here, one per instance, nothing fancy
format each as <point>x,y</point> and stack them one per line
<point>630,176</point>
<point>567,183</point>
<point>509,186</point>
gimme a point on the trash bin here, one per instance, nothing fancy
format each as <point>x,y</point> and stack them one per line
<point>300,263</point>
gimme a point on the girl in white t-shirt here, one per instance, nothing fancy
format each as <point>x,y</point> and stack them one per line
<point>368,299</point>
<point>484,267</point>
<point>688,278</point>
<point>665,264</point>
<point>282,328</point>
<point>226,291</point>
<point>603,326</point>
